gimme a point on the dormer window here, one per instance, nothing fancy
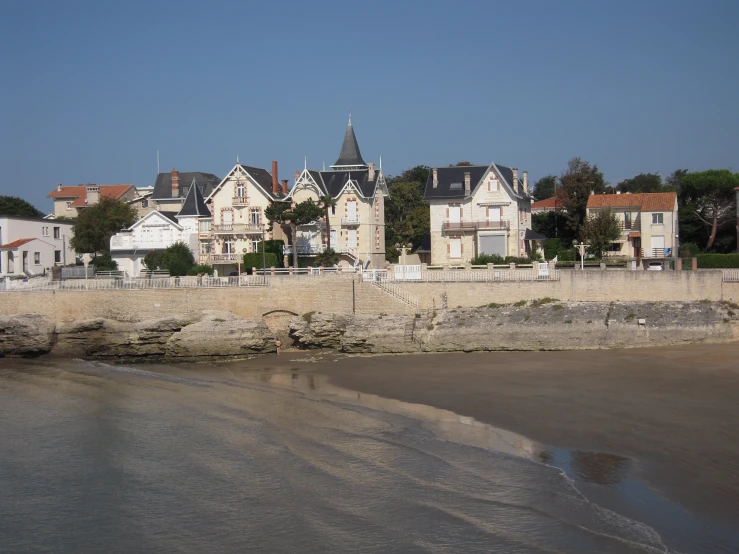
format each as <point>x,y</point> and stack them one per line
<point>455,186</point>
<point>492,184</point>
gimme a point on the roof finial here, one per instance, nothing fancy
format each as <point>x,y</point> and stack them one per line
<point>324,165</point>
<point>237,158</point>
<point>305,164</point>
<point>350,118</point>
<point>380,163</point>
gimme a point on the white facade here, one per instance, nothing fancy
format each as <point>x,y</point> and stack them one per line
<point>30,246</point>
<point>154,232</point>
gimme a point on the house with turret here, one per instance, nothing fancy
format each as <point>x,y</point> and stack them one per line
<point>356,226</point>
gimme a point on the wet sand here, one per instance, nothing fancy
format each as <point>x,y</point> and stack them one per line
<point>673,411</point>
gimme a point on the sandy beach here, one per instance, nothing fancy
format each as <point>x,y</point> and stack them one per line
<point>673,411</point>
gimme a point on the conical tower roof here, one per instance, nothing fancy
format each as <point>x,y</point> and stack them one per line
<point>350,155</point>
<point>194,205</point>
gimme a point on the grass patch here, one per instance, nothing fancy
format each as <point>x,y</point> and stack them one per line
<point>568,321</point>
<point>430,327</point>
<point>590,321</point>
<point>541,301</point>
<point>307,316</point>
<point>526,317</point>
<point>418,316</point>
<point>558,307</point>
<point>631,316</point>
<point>519,303</point>
<point>218,319</point>
<point>705,301</point>
<point>732,305</point>
<point>495,305</point>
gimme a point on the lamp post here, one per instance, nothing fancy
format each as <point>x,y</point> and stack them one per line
<point>581,248</point>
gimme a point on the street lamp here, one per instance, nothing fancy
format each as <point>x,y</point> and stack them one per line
<point>403,248</point>
<point>581,248</point>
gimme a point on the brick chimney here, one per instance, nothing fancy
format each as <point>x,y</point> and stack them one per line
<point>275,182</point>
<point>525,182</point>
<point>515,180</point>
<point>175,183</point>
<point>467,182</point>
<point>436,177</point>
<point>371,174</point>
<point>284,187</point>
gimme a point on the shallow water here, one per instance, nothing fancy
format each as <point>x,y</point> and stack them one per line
<point>208,458</point>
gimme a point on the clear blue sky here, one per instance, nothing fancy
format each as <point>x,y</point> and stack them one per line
<point>91,90</point>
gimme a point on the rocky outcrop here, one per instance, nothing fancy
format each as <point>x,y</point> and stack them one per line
<point>546,324</point>
<point>209,334</point>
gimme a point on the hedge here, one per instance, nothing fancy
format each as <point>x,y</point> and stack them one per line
<point>254,259</point>
<point>708,261</point>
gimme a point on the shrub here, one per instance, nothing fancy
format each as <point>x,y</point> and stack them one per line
<point>178,259</point>
<point>520,303</point>
<point>542,301</point>
<point>307,316</point>
<point>327,258</point>
<point>201,269</point>
<point>708,261</point>
<point>255,259</point>
<point>153,260</point>
<point>689,250</point>
<point>551,247</point>
<point>104,263</point>
<point>484,259</point>
<point>567,255</point>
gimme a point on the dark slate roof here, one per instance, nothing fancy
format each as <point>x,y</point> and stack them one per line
<point>425,247</point>
<point>333,181</point>
<point>262,177</point>
<point>171,216</point>
<point>194,205</point>
<point>455,174</point>
<point>163,184</point>
<point>350,154</point>
<point>533,235</point>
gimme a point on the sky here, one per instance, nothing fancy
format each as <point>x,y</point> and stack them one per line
<point>89,91</point>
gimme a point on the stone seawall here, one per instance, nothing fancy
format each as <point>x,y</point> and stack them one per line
<point>539,325</point>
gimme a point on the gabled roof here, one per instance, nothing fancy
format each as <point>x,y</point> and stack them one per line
<point>79,193</point>
<point>261,177</point>
<point>648,201</point>
<point>15,244</point>
<point>551,202</point>
<point>349,155</point>
<point>425,247</point>
<point>170,217</point>
<point>449,175</point>
<point>163,184</point>
<point>333,182</point>
<point>194,205</point>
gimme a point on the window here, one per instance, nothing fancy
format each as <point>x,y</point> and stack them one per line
<point>333,209</point>
<point>205,248</point>
<point>492,184</point>
<point>614,247</point>
<point>69,205</point>
<point>37,258</point>
<point>144,203</point>
<point>204,225</point>
<point>255,245</point>
<point>57,232</point>
<point>239,190</point>
<point>228,246</point>
<point>57,256</point>
<point>455,186</point>
<point>256,216</point>
<point>455,248</point>
<point>657,219</point>
<point>44,231</point>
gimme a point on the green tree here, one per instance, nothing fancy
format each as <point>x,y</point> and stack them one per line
<point>95,225</point>
<point>290,217</point>
<point>576,185</point>
<point>600,231</point>
<point>675,179</point>
<point>327,202</point>
<point>545,223</point>
<point>711,198</point>
<point>407,216</point>
<point>462,164</point>
<point>178,259</point>
<point>644,182</point>
<point>327,258</point>
<point>15,206</point>
<point>545,187</point>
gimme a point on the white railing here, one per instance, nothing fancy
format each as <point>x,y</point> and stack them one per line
<point>127,242</point>
<point>397,292</point>
<point>479,275</point>
<point>238,228</point>
<point>286,271</point>
<point>731,275</point>
<point>304,250</point>
<point>224,257</point>
<point>408,272</point>
<point>138,284</point>
<point>350,220</point>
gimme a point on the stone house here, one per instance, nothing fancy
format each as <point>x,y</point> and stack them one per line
<point>170,189</point>
<point>649,223</point>
<point>478,210</point>
<point>357,221</point>
<point>238,223</point>
<point>158,230</point>
<point>69,200</point>
<point>31,246</point>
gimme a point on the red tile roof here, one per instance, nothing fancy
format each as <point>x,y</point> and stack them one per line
<point>79,193</point>
<point>15,244</point>
<point>648,201</point>
<point>552,202</point>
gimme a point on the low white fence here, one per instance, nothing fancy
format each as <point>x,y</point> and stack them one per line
<point>464,276</point>
<point>137,284</point>
<point>731,275</point>
<point>397,292</point>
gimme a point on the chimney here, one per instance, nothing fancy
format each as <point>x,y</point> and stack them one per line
<point>525,182</point>
<point>59,187</point>
<point>592,193</point>
<point>618,192</point>
<point>93,195</point>
<point>284,187</point>
<point>275,182</point>
<point>515,179</point>
<point>436,177</point>
<point>466,183</point>
<point>175,183</point>
<point>371,175</point>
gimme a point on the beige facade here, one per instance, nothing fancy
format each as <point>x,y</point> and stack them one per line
<point>477,210</point>
<point>30,246</point>
<point>238,222</point>
<point>69,200</point>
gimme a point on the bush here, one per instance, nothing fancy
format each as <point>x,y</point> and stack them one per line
<point>551,247</point>
<point>484,259</point>
<point>153,260</point>
<point>201,269</point>
<point>177,259</point>
<point>104,263</point>
<point>689,250</point>
<point>709,261</point>
<point>517,261</point>
<point>327,258</point>
<point>567,255</point>
<point>254,259</point>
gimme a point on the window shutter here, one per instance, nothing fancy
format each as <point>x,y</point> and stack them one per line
<point>501,212</point>
<point>487,212</point>
<point>461,248</point>
<point>448,248</point>
<point>447,213</point>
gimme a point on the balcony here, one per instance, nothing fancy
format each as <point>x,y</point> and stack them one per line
<point>235,228</point>
<point>240,201</point>
<point>660,253</point>
<point>304,250</point>
<point>630,226</point>
<point>474,225</point>
<point>127,242</point>
<point>204,259</point>
<point>348,221</point>
<point>220,258</point>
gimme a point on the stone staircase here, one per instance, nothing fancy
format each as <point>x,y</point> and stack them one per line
<point>372,299</point>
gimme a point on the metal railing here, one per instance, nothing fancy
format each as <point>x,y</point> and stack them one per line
<point>634,225</point>
<point>240,201</point>
<point>731,275</point>
<point>238,228</point>
<point>473,225</point>
<point>481,275</point>
<point>656,252</point>
<point>350,220</point>
<point>304,250</point>
<point>224,257</point>
<point>138,284</point>
<point>397,292</point>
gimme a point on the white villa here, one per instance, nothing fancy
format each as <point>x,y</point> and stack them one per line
<point>357,221</point>
<point>31,246</point>
<point>478,210</point>
<point>238,223</point>
<point>157,231</point>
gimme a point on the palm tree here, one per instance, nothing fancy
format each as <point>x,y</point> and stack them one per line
<point>327,202</point>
